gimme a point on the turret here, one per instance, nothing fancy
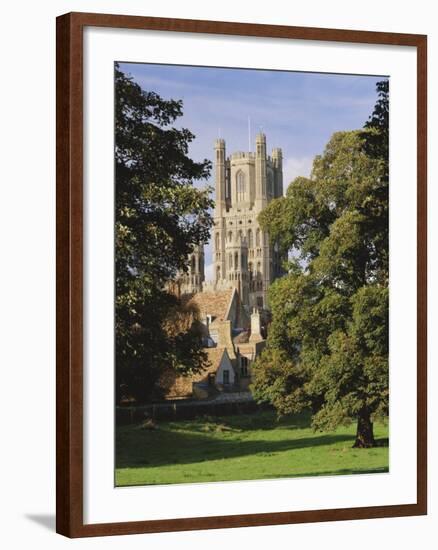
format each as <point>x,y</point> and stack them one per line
<point>192,280</point>
<point>277,160</point>
<point>237,264</point>
<point>260,183</point>
<point>219,148</point>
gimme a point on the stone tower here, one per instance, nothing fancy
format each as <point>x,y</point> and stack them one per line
<point>191,282</point>
<point>243,256</point>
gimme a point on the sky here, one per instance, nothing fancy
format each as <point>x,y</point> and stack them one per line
<point>296,111</point>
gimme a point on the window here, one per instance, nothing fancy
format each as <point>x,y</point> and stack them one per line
<point>218,273</point>
<point>193,263</point>
<point>260,301</point>
<point>217,242</point>
<point>240,186</point>
<point>250,240</point>
<point>244,363</point>
<point>230,236</point>
<point>230,261</point>
<point>258,237</point>
<point>226,376</point>
<point>236,261</point>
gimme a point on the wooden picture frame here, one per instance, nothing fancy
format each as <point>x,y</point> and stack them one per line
<point>70,240</point>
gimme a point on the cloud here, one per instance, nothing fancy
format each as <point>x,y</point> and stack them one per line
<point>209,271</point>
<point>294,167</point>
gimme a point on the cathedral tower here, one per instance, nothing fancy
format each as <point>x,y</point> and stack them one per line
<point>244,257</point>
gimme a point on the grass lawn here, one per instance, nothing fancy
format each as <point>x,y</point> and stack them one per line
<point>249,446</point>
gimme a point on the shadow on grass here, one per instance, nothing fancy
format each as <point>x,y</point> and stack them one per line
<point>161,448</point>
<point>340,472</point>
<point>246,422</point>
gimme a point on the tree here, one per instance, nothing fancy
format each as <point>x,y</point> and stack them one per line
<point>159,217</point>
<point>327,348</point>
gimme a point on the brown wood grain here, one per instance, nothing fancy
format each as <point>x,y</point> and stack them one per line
<point>69,291</point>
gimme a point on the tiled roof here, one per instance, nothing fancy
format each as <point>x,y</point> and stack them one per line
<point>214,359</point>
<point>181,386</point>
<point>242,337</point>
<point>214,303</point>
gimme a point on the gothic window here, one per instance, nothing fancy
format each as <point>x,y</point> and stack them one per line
<point>240,186</point>
<point>258,237</point>
<point>217,242</point>
<point>230,261</point>
<point>250,271</point>
<point>218,273</point>
<point>240,236</point>
<point>250,240</point>
<point>193,263</point>
<point>236,261</point>
<point>230,236</point>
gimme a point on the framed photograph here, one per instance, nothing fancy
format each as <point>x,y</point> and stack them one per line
<point>241,274</point>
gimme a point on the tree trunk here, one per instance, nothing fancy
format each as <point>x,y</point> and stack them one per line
<point>365,433</point>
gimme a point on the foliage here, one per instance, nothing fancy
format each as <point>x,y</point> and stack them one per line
<point>328,341</point>
<point>159,217</point>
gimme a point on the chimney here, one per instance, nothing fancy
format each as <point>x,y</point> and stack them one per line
<point>256,335</point>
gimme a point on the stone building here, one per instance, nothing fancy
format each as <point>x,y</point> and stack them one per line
<point>243,256</point>
<point>232,340</point>
<point>191,282</point>
<point>233,307</point>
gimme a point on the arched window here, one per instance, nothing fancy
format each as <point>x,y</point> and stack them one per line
<point>240,186</point>
<point>230,236</point>
<point>217,241</point>
<point>236,261</point>
<point>250,239</point>
<point>218,273</point>
<point>240,239</point>
<point>230,261</point>
<point>258,237</point>
<point>193,263</point>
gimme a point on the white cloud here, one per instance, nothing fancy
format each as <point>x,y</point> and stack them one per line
<point>209,271</point>
<point>294,167</point>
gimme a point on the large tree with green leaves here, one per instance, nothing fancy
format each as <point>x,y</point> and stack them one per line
<point>327,346</point>
<point>160,216</point>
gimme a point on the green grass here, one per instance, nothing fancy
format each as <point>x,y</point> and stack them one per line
<point>250,446</point>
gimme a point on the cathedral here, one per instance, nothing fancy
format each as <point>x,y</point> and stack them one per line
<point>243,256</point>
<point>233,307</point>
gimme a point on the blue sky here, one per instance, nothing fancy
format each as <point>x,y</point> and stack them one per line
<point>297,111</point>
